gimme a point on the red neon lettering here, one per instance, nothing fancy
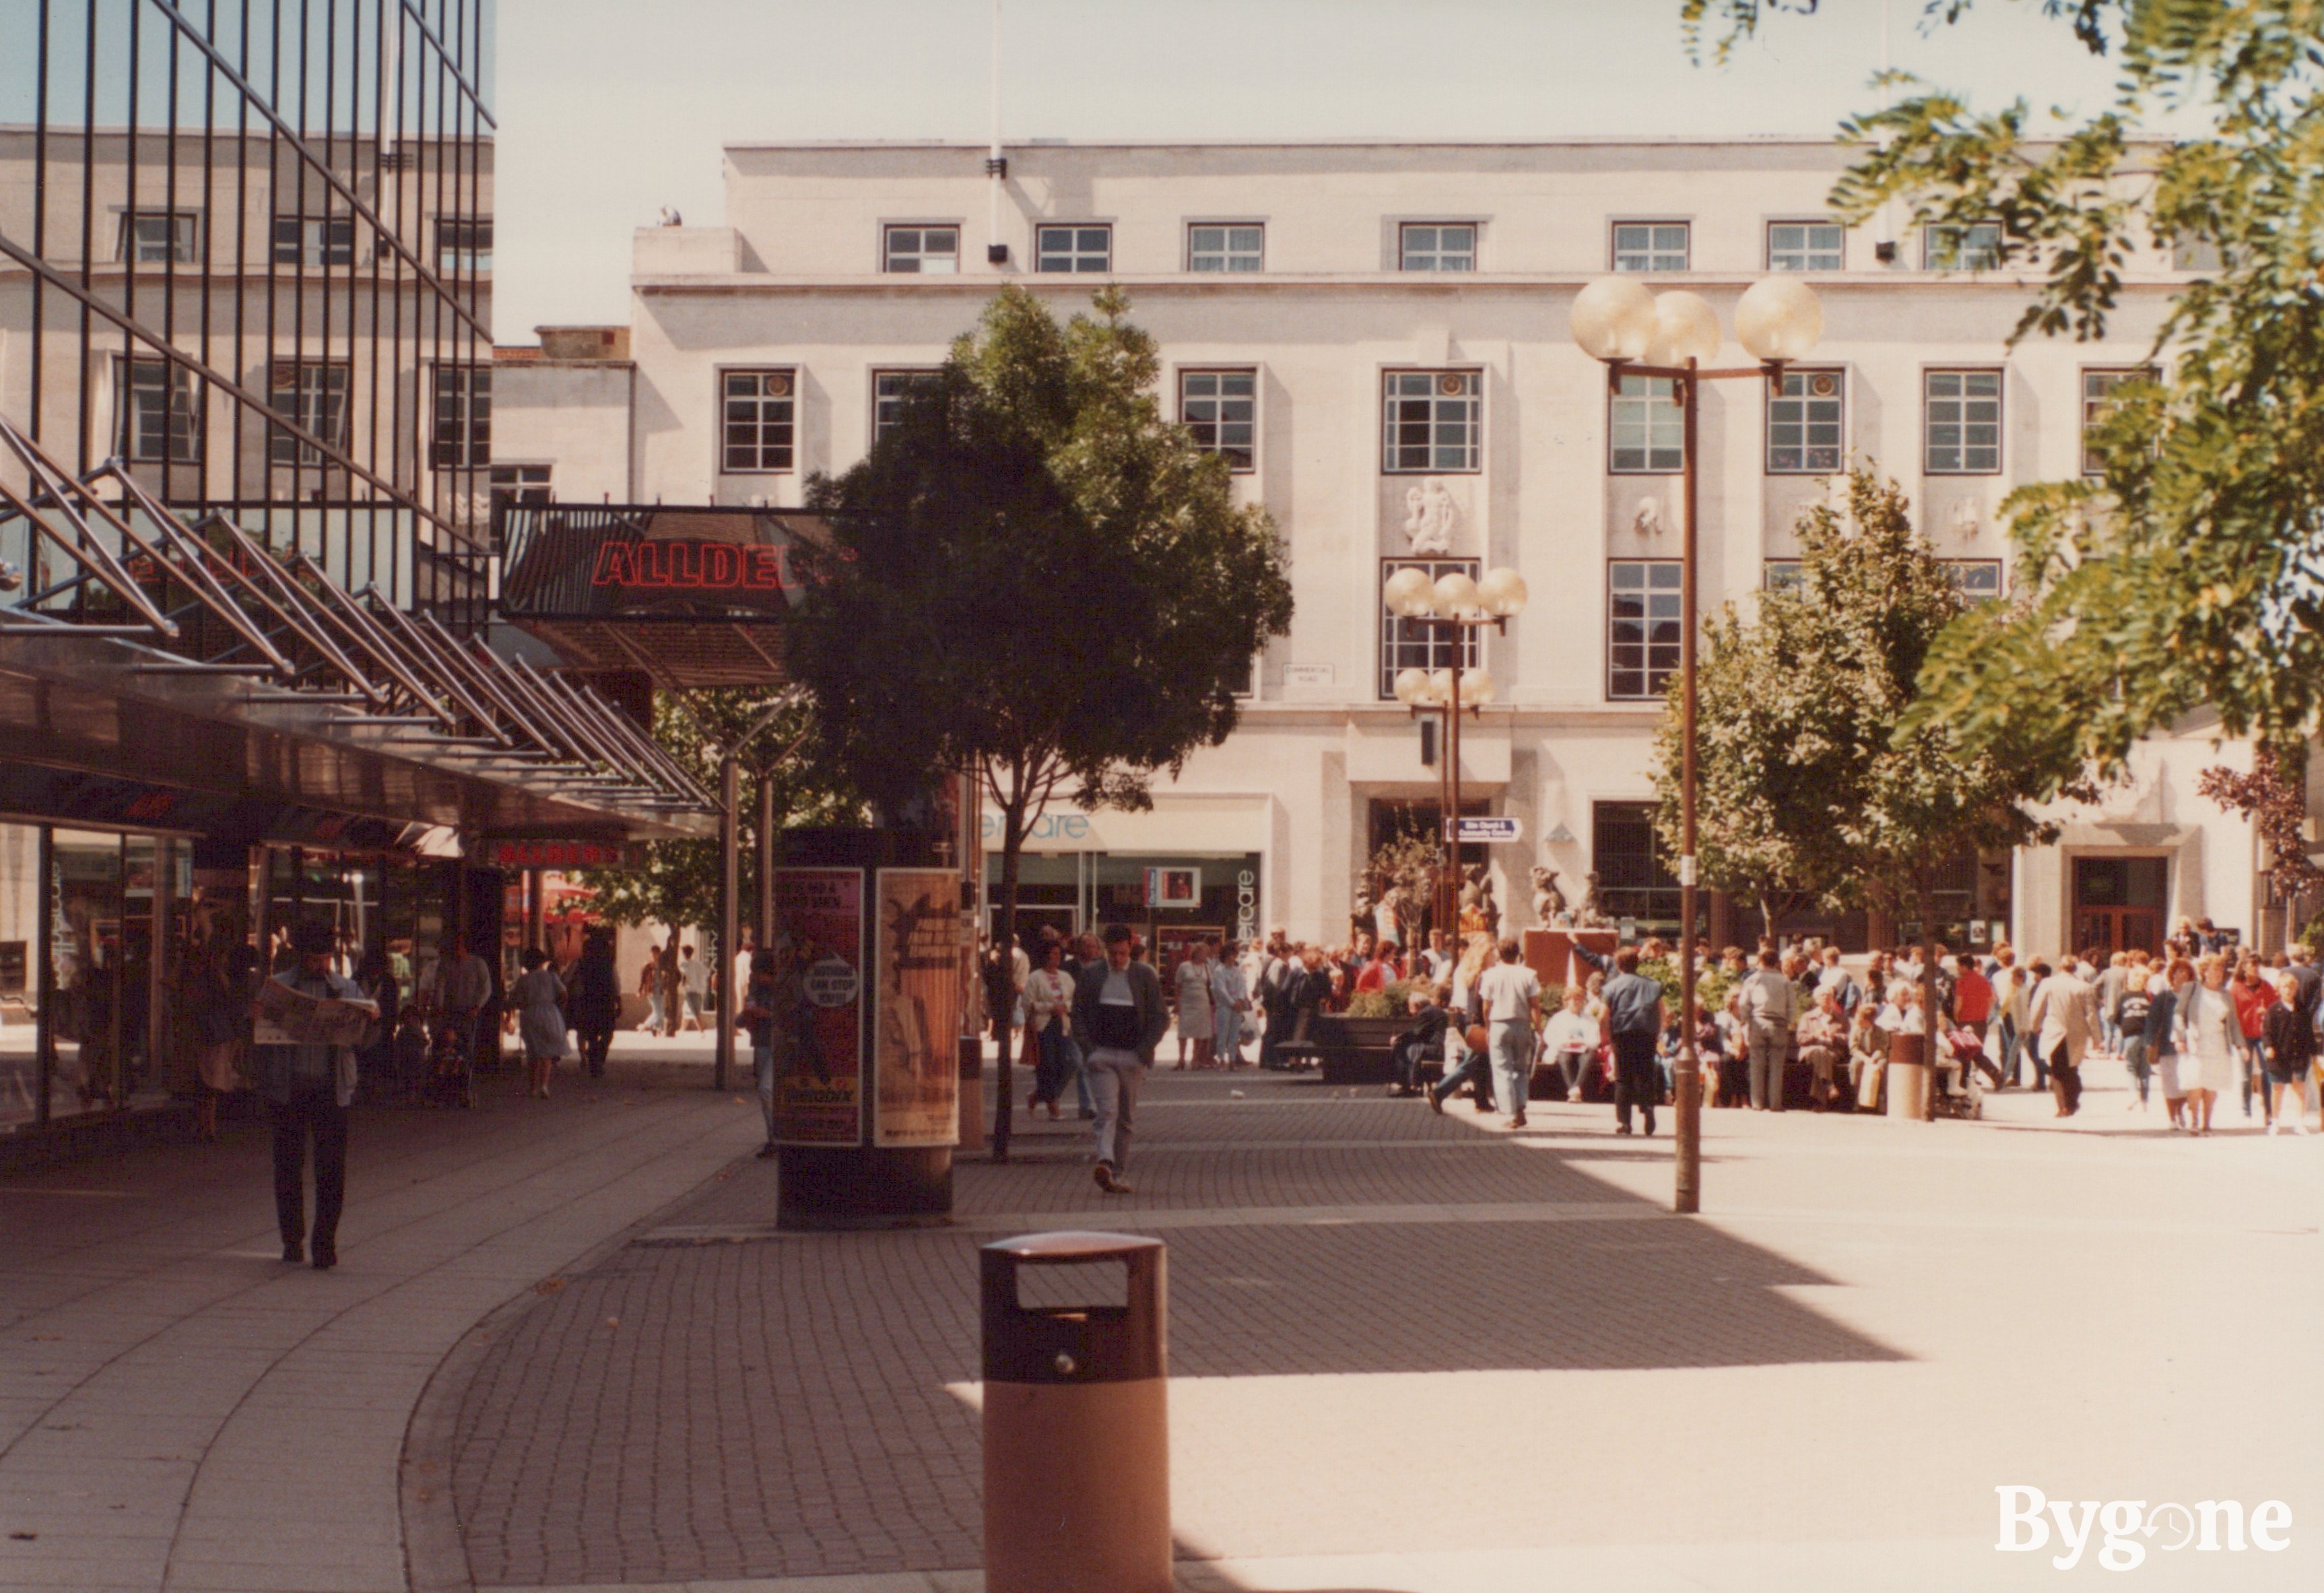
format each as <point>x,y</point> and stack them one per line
<point>762,568</point>
<point>617,565</point>
<point>721,564</point>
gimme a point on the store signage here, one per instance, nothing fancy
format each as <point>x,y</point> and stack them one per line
<point>1487,829</point>
<point>693,564</point>
<point>551,853</point>
<point>1174,887</point>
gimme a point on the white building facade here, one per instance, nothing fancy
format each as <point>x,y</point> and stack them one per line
<point>1375,336</point>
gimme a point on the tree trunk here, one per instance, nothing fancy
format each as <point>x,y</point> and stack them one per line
<point>1767,915</point>
<point>1932,1019</point>
<point>1004,941</point>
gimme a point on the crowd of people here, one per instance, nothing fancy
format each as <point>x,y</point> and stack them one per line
<point>1802,1023</point>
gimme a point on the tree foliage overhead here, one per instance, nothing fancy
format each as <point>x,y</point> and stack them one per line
<point>679,882</point>
<point>2193,572</point>
<point>1814,775</point>
<point>1035,575</point>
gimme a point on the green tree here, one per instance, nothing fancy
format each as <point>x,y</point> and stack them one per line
<point>1815,772</point>
<point>1035,577</point>
<point>2193,572</point>
<point>678,884</point>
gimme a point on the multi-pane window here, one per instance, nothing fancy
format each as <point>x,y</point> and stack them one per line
<point>1805,245</point>
<point>923,251</point>
<point>1435,245</point>
<point>162,238</point>
<point>1636,881</point>
<point>161,413</point>
<point>1785,575</point>
<point>1643,626</point>
<point>1221,410</point>
<point>464,246</point>
<point>1431,421</point>
<point>463,417</point>
<point>2098,388</point>
<point>1645,428</point>
<point>758,413</point>
<point>1073,248</point>
<point>1409,645</point>
<point>1650,246</point>
<point>520,484</point>
<point>310,394</point>
<point>1226,247</point>
<point>889,389</point>
<point>1975,246</point>
<point>1978,579</point>
<point>315,240</point>
<point>1807,419</point>
<point>1961,423</point>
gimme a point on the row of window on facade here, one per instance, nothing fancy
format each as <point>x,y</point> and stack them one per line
<point>160,416</point>
<point>464,244</point>
<point>1432,422</point>
<point>1241,246</point>
<point>1642,614</point>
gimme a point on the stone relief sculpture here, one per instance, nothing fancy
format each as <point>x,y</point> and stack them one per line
<point>1648,520</point>
<point>1963,519</point>
<point>1430,516</point>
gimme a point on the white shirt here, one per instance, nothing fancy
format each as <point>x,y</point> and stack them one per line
<point>1569,1030</point>
<point>1050,994</point>
<point>695,972</point>
<point>1510,989</point>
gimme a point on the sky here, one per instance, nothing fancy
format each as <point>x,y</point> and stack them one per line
<point>610,109</point>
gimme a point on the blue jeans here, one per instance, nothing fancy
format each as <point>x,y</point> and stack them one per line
<point>762,1063</point>
<point>1512,1063</point>
<point>1473,1068</point>
<point>1057,1061</point>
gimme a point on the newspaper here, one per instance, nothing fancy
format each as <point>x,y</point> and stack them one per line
<point>287,1016</point>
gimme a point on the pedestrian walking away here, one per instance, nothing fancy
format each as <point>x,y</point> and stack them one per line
<point>592,1004</point>
<point>539,998</point>
<point>306,1088</point>
<point>1119,1018</point>
<point>762,998</point>
<point>1511,994</point>
<point>1770,1009</point>
<point>1635,1015</point>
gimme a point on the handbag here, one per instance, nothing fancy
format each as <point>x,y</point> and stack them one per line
<point>1478,1037</point>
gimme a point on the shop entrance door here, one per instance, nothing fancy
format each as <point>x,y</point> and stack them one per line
<point>2118,929</point>
<point>2119,903</point>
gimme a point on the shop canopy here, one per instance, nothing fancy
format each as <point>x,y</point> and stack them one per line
<point>138,646</point>
<point>691,597</point>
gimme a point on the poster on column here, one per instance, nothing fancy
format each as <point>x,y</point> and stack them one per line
<point>916,1009</point>
<point>818,1008</point>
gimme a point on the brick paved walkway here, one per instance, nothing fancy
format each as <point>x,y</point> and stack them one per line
<point>1373,1306</point>
<point>179,1410</point>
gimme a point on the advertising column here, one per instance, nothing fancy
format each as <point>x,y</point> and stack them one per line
<point>915,1014</point>
<point>818,1026</point>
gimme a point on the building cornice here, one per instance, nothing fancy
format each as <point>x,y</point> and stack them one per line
<point>1209,284</point>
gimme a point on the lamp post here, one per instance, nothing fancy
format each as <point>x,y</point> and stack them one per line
<point>1637,332</point>
<point>1454,604</point>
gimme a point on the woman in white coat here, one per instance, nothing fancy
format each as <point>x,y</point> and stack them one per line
<point>1194,983</point>
<point>2210,1041</point>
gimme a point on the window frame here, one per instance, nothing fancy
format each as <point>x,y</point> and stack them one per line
<point>323,251</point>
<point>1391,420</point>
<point>1773,394</point>
<point>1959,569</point>
<point>1226,251</point>
<point>1661,890</point>
<point>1648,620</point>
<point>1929,399</point>
<point>879,374</point>
<point>2121,373</point>
<point>1654,249</point>
<point>1781,575</point>
<point>189,220</point>
<point>478,251</point>
<point>1430,649</point>
<point>283,449</point>
<point>459,415</point>
<point>888,256</point>
<point>185,424</point>
<point>514,492</point>
<point>1934,230</point>
<point>1404,255</point>
<point>725,459</point>
<point>1617,394</point>
<point>1074,253</point>
<point>1805,249</point>
<point>1251,460</point>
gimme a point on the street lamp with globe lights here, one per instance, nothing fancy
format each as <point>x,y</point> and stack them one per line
<point>1637,332</point>
<point>1457,603</point>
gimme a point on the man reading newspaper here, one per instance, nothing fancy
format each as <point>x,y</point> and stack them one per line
<point>306,1024</point>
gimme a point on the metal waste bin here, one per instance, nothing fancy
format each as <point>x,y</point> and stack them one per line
<point>1910,1076</point>
<point>1076,1422</point>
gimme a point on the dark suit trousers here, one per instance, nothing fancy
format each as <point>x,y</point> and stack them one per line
<point>314,1112</point>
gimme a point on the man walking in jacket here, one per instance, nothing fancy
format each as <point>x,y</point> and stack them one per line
<point>1118,1017</point>
<point>1635,1015</point>
<point>2064,1015</point>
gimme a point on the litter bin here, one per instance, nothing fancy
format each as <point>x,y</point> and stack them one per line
<point>1910,1076</point>
<point>1076,1420</point>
